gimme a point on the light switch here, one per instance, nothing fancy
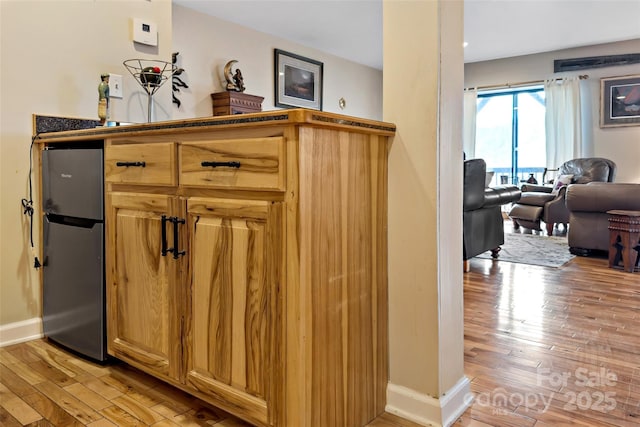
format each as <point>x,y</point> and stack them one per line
<point>115,86</point>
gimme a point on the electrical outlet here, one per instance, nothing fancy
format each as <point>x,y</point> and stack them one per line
<point>115,86</point>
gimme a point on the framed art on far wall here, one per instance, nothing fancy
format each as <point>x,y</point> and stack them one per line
<point>620,101</point>
<point>298,81</point>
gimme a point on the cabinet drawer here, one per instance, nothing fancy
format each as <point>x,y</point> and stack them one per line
<point>149,164</point>
<point>256,163</point>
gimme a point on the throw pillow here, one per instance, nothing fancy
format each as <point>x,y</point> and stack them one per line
<point>561,181</point>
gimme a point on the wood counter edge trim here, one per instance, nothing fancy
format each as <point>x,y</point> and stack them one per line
<point>190,125</point>
<point>347,122</point>
<point>295,116</point>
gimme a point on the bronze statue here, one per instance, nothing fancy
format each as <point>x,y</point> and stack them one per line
<point>238,80</point>
<point>235,82</point>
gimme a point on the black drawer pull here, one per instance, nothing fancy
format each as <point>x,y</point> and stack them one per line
<point>216,164</point>
<point>127,164</point>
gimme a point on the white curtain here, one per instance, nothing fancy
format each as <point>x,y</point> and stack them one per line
<point>563,121</point>
<point>469,123</point>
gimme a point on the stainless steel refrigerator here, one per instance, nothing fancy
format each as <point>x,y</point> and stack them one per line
<point>73,310</point>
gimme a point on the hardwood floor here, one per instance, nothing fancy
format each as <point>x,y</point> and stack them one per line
<point>543,347</point>
<point>552,347</point>
<point>41,384</point>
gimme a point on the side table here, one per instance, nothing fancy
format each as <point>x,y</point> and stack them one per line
<point>624,239</point>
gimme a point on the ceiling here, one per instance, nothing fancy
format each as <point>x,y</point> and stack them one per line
<point>493,29</point>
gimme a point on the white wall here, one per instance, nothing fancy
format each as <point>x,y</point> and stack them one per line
<point>52,55</point>
<point>207,43</point>
<point>620,144</point>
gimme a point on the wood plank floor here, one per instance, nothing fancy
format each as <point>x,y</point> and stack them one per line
<point>41,384</point>
<point>552,347</point>
<point>543,347</point>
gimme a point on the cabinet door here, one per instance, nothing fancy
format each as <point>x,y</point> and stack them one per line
<point>235,248</point>
<point>143,325</point>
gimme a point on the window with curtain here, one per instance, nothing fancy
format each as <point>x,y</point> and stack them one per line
<point>510,134</point>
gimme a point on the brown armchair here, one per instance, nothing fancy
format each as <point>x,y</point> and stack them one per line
<point>547,203</point>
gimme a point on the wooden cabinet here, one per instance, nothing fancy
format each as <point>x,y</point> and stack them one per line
<point>246,261</point>
<point>144,296</point>
<point>192,293</point>
<point>213,323</point>
<point>234,278</point>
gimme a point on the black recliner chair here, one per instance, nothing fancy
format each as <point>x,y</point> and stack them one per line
<point>483,225</point>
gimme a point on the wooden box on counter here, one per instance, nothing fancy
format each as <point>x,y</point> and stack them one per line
<point>230,102</point>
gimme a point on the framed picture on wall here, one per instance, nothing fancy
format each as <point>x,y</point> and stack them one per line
<point>620,101</point>
<point>298,81</point>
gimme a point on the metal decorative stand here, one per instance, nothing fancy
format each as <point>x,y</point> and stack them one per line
<point>151,75</point>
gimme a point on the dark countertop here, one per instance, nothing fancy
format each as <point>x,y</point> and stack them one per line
<point>45,124</point>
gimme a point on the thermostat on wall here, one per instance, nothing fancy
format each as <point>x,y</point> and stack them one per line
<point>145,32</point>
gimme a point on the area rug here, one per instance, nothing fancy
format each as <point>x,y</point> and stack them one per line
<point>547,251</point>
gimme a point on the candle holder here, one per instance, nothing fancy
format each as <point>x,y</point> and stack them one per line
<point>151,75</point>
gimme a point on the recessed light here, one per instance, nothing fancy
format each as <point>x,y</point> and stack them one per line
<point>465,44</point>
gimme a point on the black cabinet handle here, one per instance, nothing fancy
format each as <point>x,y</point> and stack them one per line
<point>127,164</point>
<point>176,238</point>
<point>216,164</point>
<point>164,236</point>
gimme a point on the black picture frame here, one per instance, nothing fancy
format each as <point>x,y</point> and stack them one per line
<point>620,101</point>
<point>297,81</point>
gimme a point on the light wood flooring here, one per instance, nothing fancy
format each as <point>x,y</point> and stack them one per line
<point>552,347</point>
<point>543,347</point>
<point>41,384</point>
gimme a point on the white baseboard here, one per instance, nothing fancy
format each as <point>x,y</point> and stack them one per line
<point>426,410</point>
<point>17,332</point>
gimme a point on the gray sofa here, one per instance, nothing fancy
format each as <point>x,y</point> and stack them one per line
<point>588,205</point>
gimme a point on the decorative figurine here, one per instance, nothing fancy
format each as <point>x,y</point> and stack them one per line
<point>177,81</point>
<point>235,82</point>
<point>103,98</point>
<point>238,80</point>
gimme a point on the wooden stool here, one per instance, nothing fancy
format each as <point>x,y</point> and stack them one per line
<point>624,239</point>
